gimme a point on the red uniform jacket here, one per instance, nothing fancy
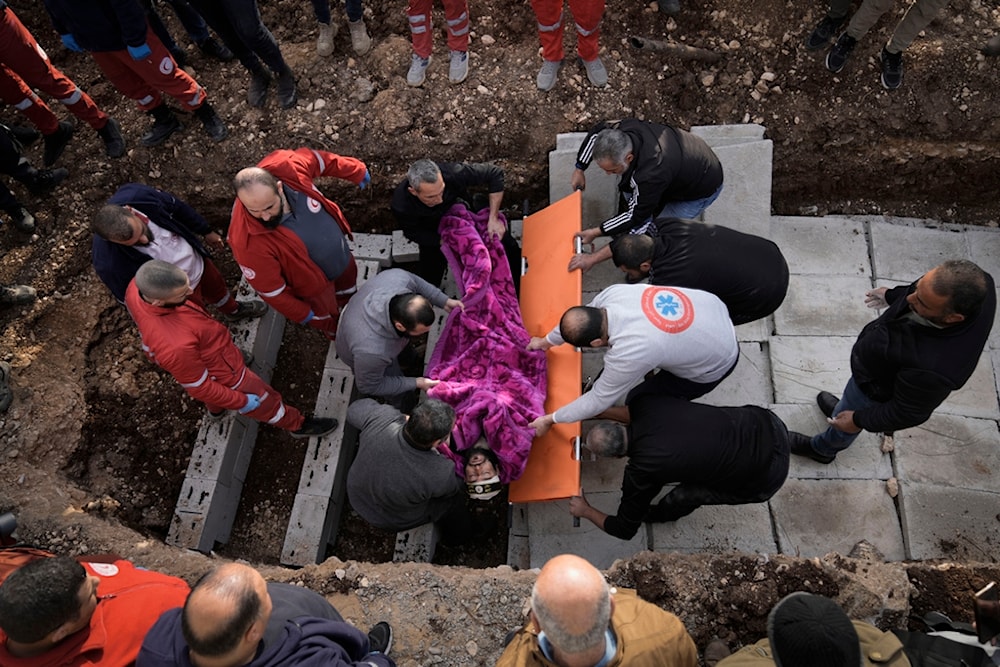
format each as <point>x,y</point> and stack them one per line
<point>275,261</point>
<point>130,602</point>
<point>196,349</point>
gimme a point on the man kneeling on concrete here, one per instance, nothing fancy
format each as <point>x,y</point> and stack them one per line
<point>577,619</point>
<point>719,456</point>
<point>234,618</point>
<point>399,480</point>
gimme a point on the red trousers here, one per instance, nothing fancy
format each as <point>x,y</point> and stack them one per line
<point>272,409</point>
<point>23,66</point>
<point>456,14</point>
<point>587,16</point>
<point>142,80</point>
<point>328,304</point>
<point>213,291</point>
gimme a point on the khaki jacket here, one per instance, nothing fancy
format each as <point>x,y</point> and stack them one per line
<point>878,649</point>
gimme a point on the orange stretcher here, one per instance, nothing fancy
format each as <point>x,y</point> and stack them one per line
<point>547,290</point>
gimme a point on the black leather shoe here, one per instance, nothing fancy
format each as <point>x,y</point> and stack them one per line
<point>827,402</point>
<point>162,128</point>
<point>801,445</point>
<point>314,427</point>
<point>55,143</point>
<point>111,135</point>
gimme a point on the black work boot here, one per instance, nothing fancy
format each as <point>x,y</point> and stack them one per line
<point>213,48</point>
<point>38,181</point>
<point>214,126</point>
<point>111,135</point>
<point>55,143</point>
<point>257,92</point>
<point>287,96</point>
<point>165,123</point>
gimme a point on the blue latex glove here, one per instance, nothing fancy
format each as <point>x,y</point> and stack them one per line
<point>308,318</point>
<point>365,181</point>
<point>140,52</point>
<point>70,43</point>
<point>253,402</point>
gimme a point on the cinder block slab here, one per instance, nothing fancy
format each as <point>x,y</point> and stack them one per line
<point>862,460</point>
<point>906,252</point>
<point>945,522</point>
<point>366,269</point>
<point>832,305</point>
<point>569,141</point>
<point>756,331</point>
<point>826,246</point>
<point>552,533</point>
<point>984,249</point>
<point>750,381</point>
<point>204,514</point>
<point>518,548</point>
<point>601,475</point>
<point>308,518</point>
<point>718,529</point>
<point>745,201</point>
<point>600,197</point>
<point>416,545</point>
<point>722,135</point>
<point>260,337</point>
<point>805,365</point>
<point>373,247</point>
<point>403,249</point>
<point>223,448</point>
<point>951,451</point>
<point>978,397</point>
<point>816,517</point>
<point>332,361</point>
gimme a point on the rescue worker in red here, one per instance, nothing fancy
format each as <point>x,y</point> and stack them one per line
<point>23,66</point>
<point>133,58</point>
<point>180,337</point>
<point>587,19</point>
<point>290,240</point>
<point>57,611</point>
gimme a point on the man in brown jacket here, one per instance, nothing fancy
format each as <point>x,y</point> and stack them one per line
<point>576,620</point>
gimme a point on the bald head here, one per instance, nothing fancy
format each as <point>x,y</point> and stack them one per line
<point>571,603</point>
<point>157,279</point>
<point>583,326</point>
<point>246,178</point>
<point>225,615</point>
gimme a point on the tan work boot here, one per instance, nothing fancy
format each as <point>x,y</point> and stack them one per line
<point>324,43</point>
<point>360,40</point>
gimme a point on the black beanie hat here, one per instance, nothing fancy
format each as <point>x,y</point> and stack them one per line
<point>807,630</point>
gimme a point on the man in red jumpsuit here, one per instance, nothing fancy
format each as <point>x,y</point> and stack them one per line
<point>456,15</point>
<point>180,337</point>
<point>290,240</point>
<point>587,18</point>
<point>56,611</point>
<point>23,66</point>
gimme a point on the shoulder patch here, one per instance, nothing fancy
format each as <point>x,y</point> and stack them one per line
<point>104,569</point>
<point>313,205</point>
<point>668,309</point>
<point>248,273</point>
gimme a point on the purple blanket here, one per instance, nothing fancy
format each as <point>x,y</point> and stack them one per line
<point>495,385</point>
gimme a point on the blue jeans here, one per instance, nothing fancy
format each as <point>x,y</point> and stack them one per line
<point>832,441</point>
<point>355,10</point>
<point>688,210</point>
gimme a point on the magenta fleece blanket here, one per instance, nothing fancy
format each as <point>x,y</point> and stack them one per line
<point>495,385</point>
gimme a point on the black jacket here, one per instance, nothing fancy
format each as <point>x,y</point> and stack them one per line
<point>100,25</point>
<point>909,369</point>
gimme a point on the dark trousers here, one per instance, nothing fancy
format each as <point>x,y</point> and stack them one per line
<point>666,383</point>
<point>238,25</point>
<point>11,164</point>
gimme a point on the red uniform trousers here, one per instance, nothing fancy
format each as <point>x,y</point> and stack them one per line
<point>333,299</point>
<point>272,410</point>
<point>213,291</point>
<point>23,66</point>
<point>142,80</point>
<point>456,14</point>
<point>587,16</point>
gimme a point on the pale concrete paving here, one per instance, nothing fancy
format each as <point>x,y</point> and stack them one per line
<point>934,492</point>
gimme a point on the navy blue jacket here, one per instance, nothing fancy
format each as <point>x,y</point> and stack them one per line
<point>100,25</point>
<point>115,263</point>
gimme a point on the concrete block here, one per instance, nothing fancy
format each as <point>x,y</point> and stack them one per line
<point>223,448</point>
<point>261,338</point>
<point>945,522</point>
<point>552,533</point>
<point>416,545</point>
<point>862,460</point>
<point>984,249</point>
<point>816,517</point>
<point>600,198</point>
<point>832,305</point>
<point>724,135</point>
<point>826,246</point>
<point>366,269</point>
<point>204,514</point>
<point>718,529</point>
<point>599,475</point>
<point>951,451</point>
<point>373,247</point>
<point>805,365</point>
<point>756,331</point>
<point>308,519</point>
<point>977,398</point>
<point>750,381</point>
<point>905,252</point>
<point>403,249</point>
<point>518,547</point>
<point>569,141</point>
<point>332,361</point>
<point>745,201</point>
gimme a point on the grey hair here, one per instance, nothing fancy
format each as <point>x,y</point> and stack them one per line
<point>562,638</point>
<point>422,171</point>
<point>607,439</point>
<point>111,222</point>
<point>613,145</point>
<point>157,279</point>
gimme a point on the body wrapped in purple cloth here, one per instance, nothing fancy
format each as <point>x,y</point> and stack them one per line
<point>495,385</point>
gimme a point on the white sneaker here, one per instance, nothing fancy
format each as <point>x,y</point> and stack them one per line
<point>459,67</point>
<point>596,72</point>
<point>324,43</point>
<point>548,74</point>
<point>418,70</point>
<point>360,40</point>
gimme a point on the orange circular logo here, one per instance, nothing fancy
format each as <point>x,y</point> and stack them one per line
<point>668,309</point>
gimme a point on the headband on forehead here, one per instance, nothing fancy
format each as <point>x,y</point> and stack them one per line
<point>486,489</point>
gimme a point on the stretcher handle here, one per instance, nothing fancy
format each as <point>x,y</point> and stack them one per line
<point>576,456</point>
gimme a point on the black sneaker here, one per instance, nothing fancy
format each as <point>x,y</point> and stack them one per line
<point>892,69</point>
<point>213,48</point>
<point>380,638</point>
<point>55,143</point>
<point>247,310</point>
<point>836,58</point>
<point>287,96</point>
<point>314,427</point>
<point>161,130</point>
<point>24,135</point>
<point>823,33</point>
<point>43,180</point>
<point>111,135</point>
<point>257,92</point>
<point>801,445</point>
